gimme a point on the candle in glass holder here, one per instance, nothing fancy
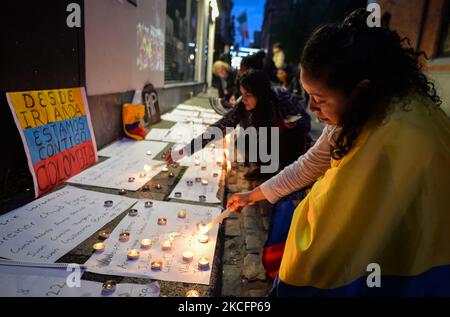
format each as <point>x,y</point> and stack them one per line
<point>171,175</point>
<point>148,204</point>
<point>156,265</point>
<point>182,214</point>
<point>203,264</point>
<point>99,247</point>
<point>131,179</point>
<point>142,175</point>
<point>177,195</point>
<point>133,212</point>
<point>203,238</point>
<point>109,286</point>
<point>149,152</point>
<point>133,254</point>
<point>174,165</point>
<point>145,188</point>
<point>204,182</point>
<point>158,186</point>
<point>192,293</point>
<point>197,162</point>
<point>146,243</point>
<point>108,203</point>
<point>147,168</point>
<point>162,221</point>
<point>166,245</point>
<point>198,179</point>
<point>188,256</point>
<point>122,191</point>
<point>215,174</point>
<point>165,169</point>
<point>124,236</point>
<point>202,198</point>
<point>104,234</point>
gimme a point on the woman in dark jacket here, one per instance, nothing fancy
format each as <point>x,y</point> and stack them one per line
<point>262,106</point>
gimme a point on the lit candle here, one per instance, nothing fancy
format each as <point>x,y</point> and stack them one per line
<point>124,236</point>
<point>166,245</point>
<point>165,169</point>
<point>182,214</point>
<point>204,182</point>
<point>109,203</point>
<point>142,175</point>
<point>99,247</point>
<point>109,286</point>
<point>174,165</point>
<point>133,254</point>
<point>171,174</point>
<point>188,256</point>
<point>148,204</point>
<point>163,156</point>
<point>162,221</point>
<point>192,293</point>
<point>203,264</point>
<point>203,238</point>
<point>158,186</point>
<point>213,146</point>
<point>104,234</point>
<point>156,265</point>
<point>197,162</point>
<point>145,188</point>
<point>131,179</point>
<point>133,212</point>
<point>122,191</point>
<point>228,167</point>
<point>189,183</point>
<point>146,243</point>
<point>202,198</point>
<point>178,195</point>
<point>149,152</point>
<point>147,168</point>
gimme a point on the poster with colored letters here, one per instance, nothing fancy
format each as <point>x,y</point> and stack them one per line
<point>56,131</point>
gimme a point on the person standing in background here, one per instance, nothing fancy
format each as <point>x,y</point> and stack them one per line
<point>278,55</point>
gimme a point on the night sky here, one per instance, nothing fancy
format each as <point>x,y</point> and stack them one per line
<point>255,14</point>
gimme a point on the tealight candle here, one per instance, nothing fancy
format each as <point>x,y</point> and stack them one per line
<point>133,212</point>
<point>146,243</point>
<point>204,182</point>
<point>108,203</point>
<point>147,168</point>
<point>124,236</point>
<point>131,179</point>
<point>133,254</point>
<point>203,168</point>
<point>122,191</point>
<point>174,165</point>
<point>148,204</point>
<point>162,221</point>
<point>171,174</point>
<point>203,238</point>
<point>198,179</point>
<point>158,186</point>
<point>188,256</point>
<point>166,245</point>
<point>109,286</point>
<point>156,265</point>
<point>182,214</point>
<point>149,153</point>
<point>197,162</point>
<point>142,175</point>
<point>177,194</point>
<point>163,156</point>
<point>165,169</point>
<point>203,264</point>
<point>189,183</point>
<point>202,198</point>
<point>145,188</point>
<point>213,146</point>
<point>192,293</point>
<point>99,247</point>
<point>104,234</point>
<point>215,174</point>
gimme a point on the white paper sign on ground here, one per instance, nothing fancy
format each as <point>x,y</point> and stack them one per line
<point>44,282</point>
<point>185,113</point>
<point>208,155</point>
<point>49,227</point>
<point>116,171</point>
<point>183,133</point>
<point>183,233</point>
<point>194,108</point>
<point>157,134</point>
<point>197,174</point>
<point>128,147</point>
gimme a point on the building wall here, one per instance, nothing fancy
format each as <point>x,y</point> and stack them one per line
<point>406,17</point>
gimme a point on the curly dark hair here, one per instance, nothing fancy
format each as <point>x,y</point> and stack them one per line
<point>342,55</point>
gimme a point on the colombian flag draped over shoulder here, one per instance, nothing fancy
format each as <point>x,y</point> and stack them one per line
<point>386,202</point>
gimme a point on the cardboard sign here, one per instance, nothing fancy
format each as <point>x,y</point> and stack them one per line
<point>56,131</point>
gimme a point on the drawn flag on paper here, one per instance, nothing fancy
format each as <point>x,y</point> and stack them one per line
<point>56,131</point>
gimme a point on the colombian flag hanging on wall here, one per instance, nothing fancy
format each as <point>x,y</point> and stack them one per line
<point>383,210</point>
<point>56,131</point>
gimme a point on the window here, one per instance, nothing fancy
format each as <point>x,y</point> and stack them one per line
<point>181,31</point>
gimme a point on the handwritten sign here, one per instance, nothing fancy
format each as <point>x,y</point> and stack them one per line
<point>181,231</point>
<point>128,147</point>
<point>116,172</point>
<point>57,134</point>
<point>49,227</point>
<point>184,132</point>
<point>39,282</point>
